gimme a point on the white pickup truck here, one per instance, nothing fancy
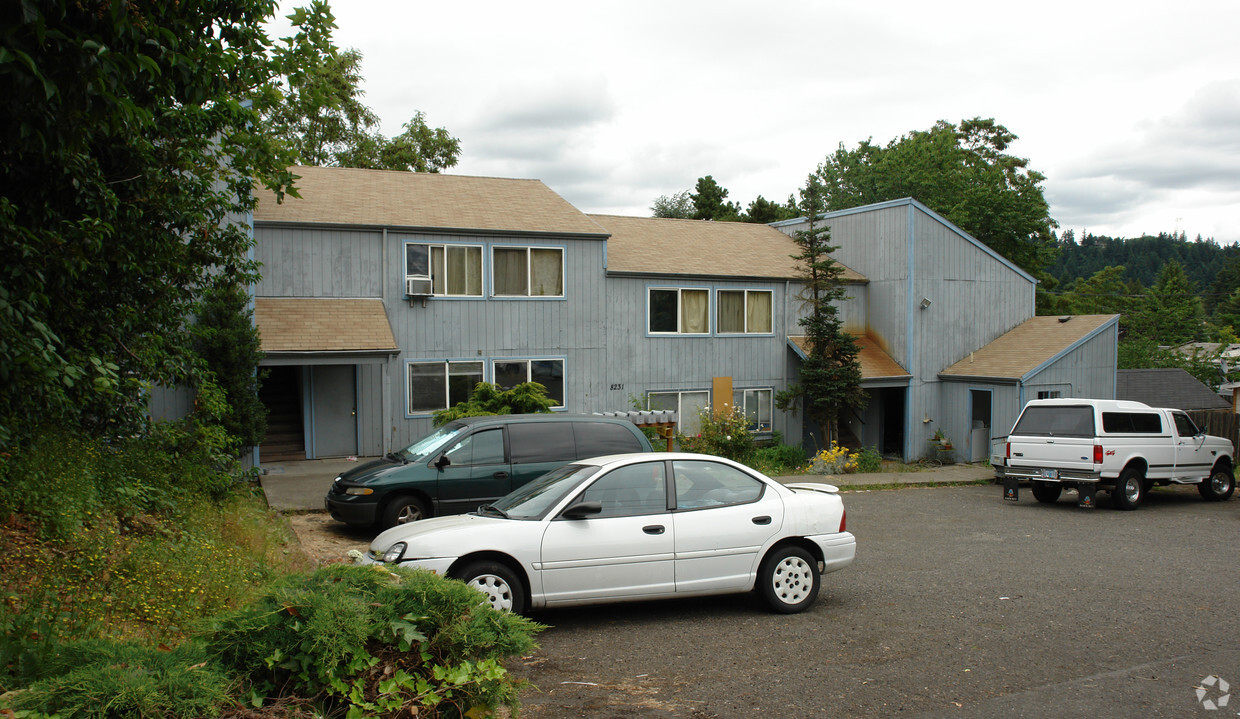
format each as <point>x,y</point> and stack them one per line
<point>1125,447</point>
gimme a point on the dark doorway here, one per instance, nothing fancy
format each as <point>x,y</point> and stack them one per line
<point>281,395</point>
<point>892,399</point>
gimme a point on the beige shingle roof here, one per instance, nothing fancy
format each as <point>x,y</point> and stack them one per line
<point>651,245</point>
<point>287,324</point>
<point>347,196</point>
<point>1029,345</point>
<point>875,362</point>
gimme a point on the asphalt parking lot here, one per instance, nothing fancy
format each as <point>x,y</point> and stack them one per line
<point>959,605</point>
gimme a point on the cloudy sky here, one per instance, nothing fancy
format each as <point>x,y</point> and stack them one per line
<point>1132,110</point>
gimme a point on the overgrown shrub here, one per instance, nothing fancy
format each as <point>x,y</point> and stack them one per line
<point>374,640</point>
<point>105,680</point>
<point>868,459</point>
<point>779,459</point>
<point>723,433</point>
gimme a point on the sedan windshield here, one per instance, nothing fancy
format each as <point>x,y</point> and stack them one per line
<point>431,443</point>
<point>535,499</point>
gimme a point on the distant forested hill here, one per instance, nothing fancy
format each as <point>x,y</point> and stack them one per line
<point>1142,257</point>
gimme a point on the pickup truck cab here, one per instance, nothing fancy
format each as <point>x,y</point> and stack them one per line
<point>1124,447</point>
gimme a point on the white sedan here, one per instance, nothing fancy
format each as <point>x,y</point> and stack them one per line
<point>635,527</point>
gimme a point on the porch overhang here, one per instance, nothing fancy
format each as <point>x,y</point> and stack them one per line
<point>878,369</point>
<point>323,331</point>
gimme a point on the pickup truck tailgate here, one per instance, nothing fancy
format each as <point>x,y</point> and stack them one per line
<point>1071,454</point>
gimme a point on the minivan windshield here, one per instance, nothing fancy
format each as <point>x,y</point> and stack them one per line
<point>431,443</point>
<point>533,500</point>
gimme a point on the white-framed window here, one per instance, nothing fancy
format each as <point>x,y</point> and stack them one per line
<point>454,270</point>
<point>440,384</point>
<point>688,405</point>
<point>743,311</point>
<point>509,373</point>
<point>527,271</point>
<point>678,310</point>
<point>756,404</point>
<point>1049,394</point>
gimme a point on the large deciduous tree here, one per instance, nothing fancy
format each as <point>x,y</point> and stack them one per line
<point>314,103</point>
<point>126,165</point>
<point>962,172</point>
<point>830,375</point>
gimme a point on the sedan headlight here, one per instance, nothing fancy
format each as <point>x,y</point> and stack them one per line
<point>394,553</point>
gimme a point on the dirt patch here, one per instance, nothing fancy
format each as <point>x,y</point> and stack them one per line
<point>326,541</point>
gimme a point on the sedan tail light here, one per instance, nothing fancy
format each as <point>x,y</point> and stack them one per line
<point>843,520</point>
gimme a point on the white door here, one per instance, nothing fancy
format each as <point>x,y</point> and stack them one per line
<point>723,519</point>
<point>626,550</point>
<point>1192,459</point>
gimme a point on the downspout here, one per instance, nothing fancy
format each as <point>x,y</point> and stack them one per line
<point>385,380</point>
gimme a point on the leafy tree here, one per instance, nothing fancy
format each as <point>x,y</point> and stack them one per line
<point>1145,353</point>
<point>763,211</point>
<point>830,375</point>
<point>709,201</point>
<point>126,159</point>
<point>1171,312</point>
<point>961,172</point>
<point>228,343</point>
<point>678,205</point>
<point>314,103</point>
<point>488,399</point>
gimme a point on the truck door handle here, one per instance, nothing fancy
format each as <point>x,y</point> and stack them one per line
<point>653,529</point>
<point>761,520</point>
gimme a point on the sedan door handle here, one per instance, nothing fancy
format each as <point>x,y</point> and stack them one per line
<point>653,529</point>
<point>761,520</point>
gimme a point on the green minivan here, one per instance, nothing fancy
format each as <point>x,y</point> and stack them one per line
<point>470,462</point>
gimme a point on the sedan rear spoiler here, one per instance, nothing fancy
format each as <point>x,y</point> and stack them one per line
<point>814,487</point>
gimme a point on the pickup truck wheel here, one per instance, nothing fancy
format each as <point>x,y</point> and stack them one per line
<point>1129,490</point>
<point>1047,492</point>
<point>1218,486</point>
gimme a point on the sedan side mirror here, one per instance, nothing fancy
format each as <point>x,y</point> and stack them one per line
<point>581,509</point>
<point>442,461</point>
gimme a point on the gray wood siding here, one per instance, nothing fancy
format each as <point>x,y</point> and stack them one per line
<point>300,262</point>
<point>1087,372</point>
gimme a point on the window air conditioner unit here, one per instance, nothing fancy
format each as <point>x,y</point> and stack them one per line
<point>418,286</point>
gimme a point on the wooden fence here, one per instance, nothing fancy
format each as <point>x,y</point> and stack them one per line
<point>1219,422</point>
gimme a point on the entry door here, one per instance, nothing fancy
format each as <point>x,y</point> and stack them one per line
<point>979,432</point>
<point>334,389</point>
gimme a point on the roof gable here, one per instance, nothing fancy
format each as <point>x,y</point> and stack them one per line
<point>423,200</point>
<point>661,246</point>
<point>1029,346</point>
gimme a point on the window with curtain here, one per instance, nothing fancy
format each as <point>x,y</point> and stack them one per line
<point>672,310</point>
<point>455,270</point>
<point>439,385</point>
<point>744,311</point>
<point>509,373</point>
<point>528,271</point>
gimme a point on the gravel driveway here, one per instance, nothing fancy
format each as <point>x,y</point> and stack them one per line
<point>959,605</point>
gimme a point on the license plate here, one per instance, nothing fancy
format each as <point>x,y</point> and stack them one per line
<point>1049,473</point>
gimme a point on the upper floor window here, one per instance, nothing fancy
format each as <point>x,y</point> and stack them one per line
<point>509,373</point>
<point>528,271</point>
<point>439,385</point>
<point>744,312</point>
<point>453,270</point>
<point>674,310</point>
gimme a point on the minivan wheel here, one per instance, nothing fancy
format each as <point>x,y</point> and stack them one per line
<point>1219,485</point>
<point>1129,490</point>
<point>403,510</point>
